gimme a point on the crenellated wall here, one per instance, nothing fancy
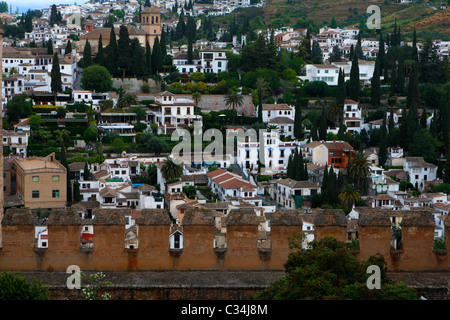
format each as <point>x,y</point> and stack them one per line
<point>249,246</point>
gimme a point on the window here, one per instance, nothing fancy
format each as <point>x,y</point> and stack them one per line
<point>55,178</point>
<point>35,178</point>
<point>35,194</point>
<point>55,193</point>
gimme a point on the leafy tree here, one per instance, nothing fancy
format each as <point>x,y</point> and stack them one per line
<point>149,142</point>
<point>316,53</point>
<point>423,145</point>
<point>329,271</point>
<point>96,78</point>
<point>118,145</point>
<point>18,107</point>
<point>91,134</point>
<point>335,55</point>
<point>16,287</point>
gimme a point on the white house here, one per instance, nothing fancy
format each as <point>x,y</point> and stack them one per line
<point>289,193</point>
<point>207,60</point>
<point>419,171</point>
<point>172,113</point>
<point>352,116</point>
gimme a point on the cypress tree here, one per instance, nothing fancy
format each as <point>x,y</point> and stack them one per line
<point>298,119</point>
<point>124,51</point>
<point>190,53</point>
<point>415,52</point>
<point>381,54</point>
<point>157,63</point>
<point>382,156</point>
<point>86,172</point>
<point>391,120</point>
<point>289,171</point>
<point>446,177</point>
<point>69,184</point>
<point>111,54</point>
<point>68,47</point>
<point>50,47</point>
<point>313,133</point>
<point>56,83</point>
<point>340,91</point>
<point>354,85</point>
<point>358,49</point>
<point>323,126</point>
<point>138,66</point>
<point>87,55</point>
<point>296,171</point>
<point>76,191</point>
<point>331,186</point>
<point>148,58</point>
<point>163,45</point>
<point>400,83</point>
<point>423,118</point>
<point>375,92</point>
<point>394,77</point>
<point>316,53</point>
<point>324,186</point>
<point>100,57</point>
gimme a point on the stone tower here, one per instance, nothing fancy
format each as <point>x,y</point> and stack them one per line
<point>151,23</point>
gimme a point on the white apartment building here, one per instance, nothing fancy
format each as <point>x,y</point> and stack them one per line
<point>419,171</point>
<point>288,192</point>
<point>329,73</point>
<point>17,141</point>
<point>276,153</point>
<point>172,113</point>
<point>352,116</point>
<point>208,60</point>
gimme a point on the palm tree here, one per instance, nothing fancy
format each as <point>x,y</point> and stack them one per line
<point>171,170</point>
<point>358,168</point>
<point>62,137</point>
<point>233,100</point>
<point>127,101</point>
<point>197,97</point>
<point>349,195</point>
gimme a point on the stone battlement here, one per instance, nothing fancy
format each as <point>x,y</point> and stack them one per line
<point>137,240</point>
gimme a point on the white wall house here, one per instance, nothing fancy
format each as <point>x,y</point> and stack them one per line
<point>352,116</point>
<point>172,113</point>
<point>286,190</point>
<point>208,60</point>
<point>276,153</point>
<point>419,171</point>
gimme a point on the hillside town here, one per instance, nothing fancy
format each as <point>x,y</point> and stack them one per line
<point>97,99</point>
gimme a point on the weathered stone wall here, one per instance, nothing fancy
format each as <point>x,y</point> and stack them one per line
<point>244,251</point>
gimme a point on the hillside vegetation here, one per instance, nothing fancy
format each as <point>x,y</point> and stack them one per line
<point>426,17</point>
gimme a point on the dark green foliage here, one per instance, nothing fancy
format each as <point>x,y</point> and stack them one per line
<point>375,92</point>
<point>87,55</point>
<point>329,271</point>
<point>382,155</point>
<point>18,107</point>
<point>335,55</point>
<point>96,78</point>
<point>124,53</point>
<point>316,53</point>
<point>111,54</point>
<point>16,287</point>
<point>56,83</point>
<point>354,85</point>
<point>157,60</point>
<point>76,191</point>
